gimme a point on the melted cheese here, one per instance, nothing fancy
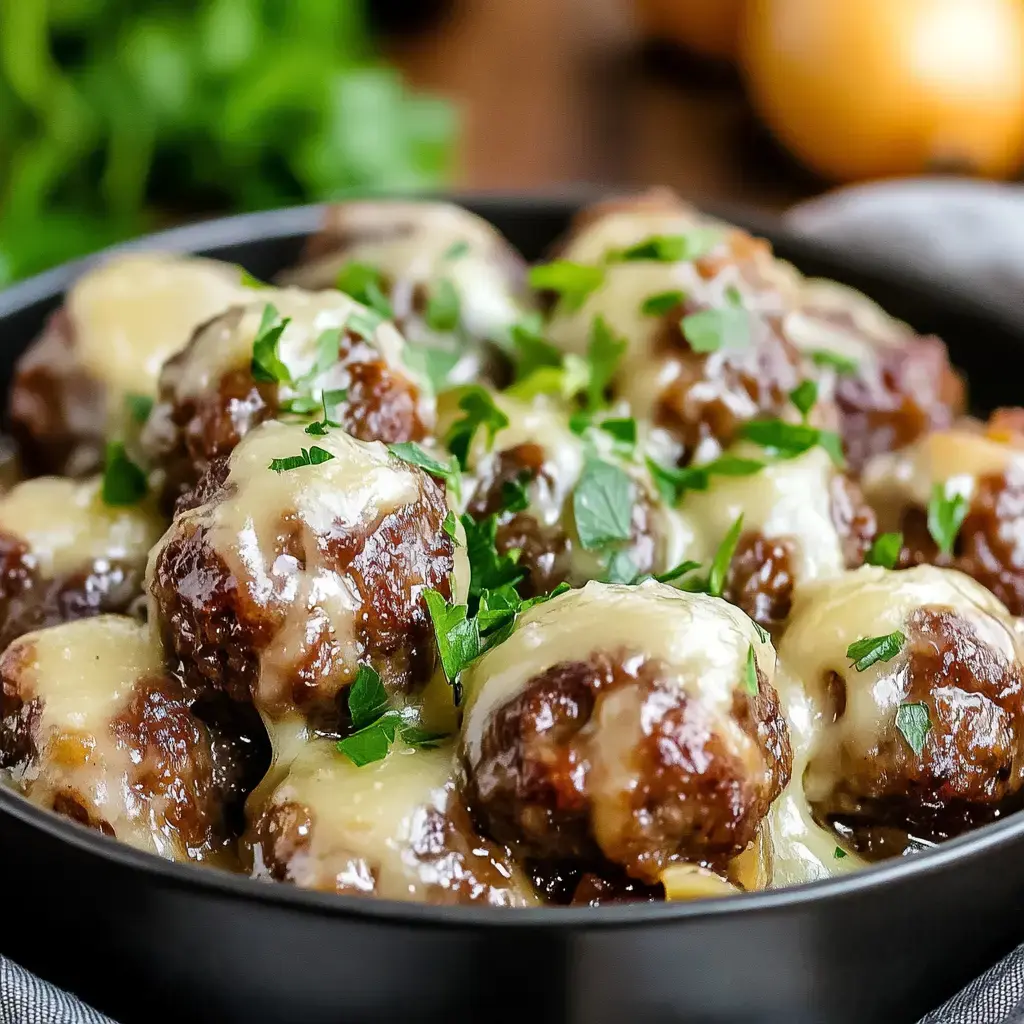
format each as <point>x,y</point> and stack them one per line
<point>361,483</point>
<point>409,242</point>
<point>134,312</point>
<point>67,527</point>
<point>701,641</point>
<point>84,674</point>
<point>955,458</point>
<point>369,821</point>
<point>788,498</point>
<point>826,618</point>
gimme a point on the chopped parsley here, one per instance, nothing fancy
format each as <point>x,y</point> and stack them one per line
<point>946,514</point>
<point>864,653</point>
<point>662,303</point>
<point>762,634</point>
<point>327,350</point>
<point>266,365</point>
<point>671,248</point>
<point>843,365</point>
<point>750,683</point>
<point>312,456</point>
<point>788,440</point>
<point>246,280</point>
<point>124,482</point>
<point>303,405</point>
<point>712,329</point>
<point>414,455</point>
<point>673,483</point>
<point>839,853</point>
<point>572,281</point>
<point>489,568</point>
<point>914,723</point>
<point>804,396</point>
<point>682,569</point>
<point>885,550</point>
<point>328,400</point>
<point>623,432</point>
<point>364,323</point>
<point>457,635</point>
<point>602,503</point>
<point>365,283</point>
<point>723,558</point>
<point>456,250</point>
<point>443,307</point>
<point>532,351</point>
<point>432,364</point>
<point>373,742</point>
<point>139,407</point>
<point>621,569</point>
<point>367,698</point>
<point>481,411</point>
<point>604,353</point>
<point>451,526</point>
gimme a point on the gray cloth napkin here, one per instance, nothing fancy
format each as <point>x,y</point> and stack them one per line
<point>965,234</point>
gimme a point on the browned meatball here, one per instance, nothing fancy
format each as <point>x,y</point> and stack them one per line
<point>896,385</point>
<point>93,727</point>
<point>923,735</point>
<point>636,726</point>
<point>66,555</point>
<point>986,467</point>
<point>211,396</point>
<point>275,586</point>
<point>716,357</point>
<point>394,829</point>
<point>108,340</point>
<point>405,256</point>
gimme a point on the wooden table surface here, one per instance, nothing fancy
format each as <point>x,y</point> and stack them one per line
<point>557,92</point>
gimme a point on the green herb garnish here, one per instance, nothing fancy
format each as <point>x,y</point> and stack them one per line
<point>414,455</point>
<point>266,365</point>
<point>843,365</point>
<point>885,550</point>
<point>840,853</point>
<point>864,653</point>
<point>124,482</point>
<point>723,558</point>
<point>788,440</point>
<point>662,303</point>
<point>443,307</point>
<point>750,683</point>
<point>312,456</point>
<point>712,329</point>
<point>602,504</point>
<point>671,248</point>
<point>365,284</point>
<point>804,396</point>
<point>457,635</point>
<point>946,514</point>
<point>456,250</point>
<point>573,281</point>
<point>481,411</point>
<point>914,722</point>
<point>621,569</point>
<point>139,407</point>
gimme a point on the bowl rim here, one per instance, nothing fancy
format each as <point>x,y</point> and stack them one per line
<point>290,222</point>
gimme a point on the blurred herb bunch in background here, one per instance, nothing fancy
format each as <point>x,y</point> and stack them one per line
<point>119,116</point>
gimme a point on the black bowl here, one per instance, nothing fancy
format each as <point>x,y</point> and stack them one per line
<point>149,941</point>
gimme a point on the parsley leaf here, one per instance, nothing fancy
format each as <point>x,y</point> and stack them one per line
<point>946,514</point>
<point>443,307</point>
<point>604,353</point>
<point>803,396</point>
<point>372,742</point>
<point>885,550</point>
<point>671,248</point>
<point>602,504</point>
<point>763,635</point>
<point>138,406</point>
<point>327,353</point>
<point>723,558</point>
<point>312,456</point>
<point>676,571</point>
<point>532,351</point>
<point>364,283</point>
<point>914,723</point>
<point>750,682</point>
<point>431,364</point>
<point>621,568</point>
<point>450,526</point>
<point>788,440</point>
<point>246,280</point>
<point>457,635</point>
<point>414,455</point>
<point>623,431</point>
<point>573,281</point>
<point>480,409</point>
<point>303,405</point>
<point>327,398</point>
<point>843,365</point>
<point>673,483</point>
<point>489,569</point>
<point>713,329</point>
<point>456,250</point>
<point>124,482</point>
<point>662,303</point>
<point>363,323</point>
<point>864,653</point>
<point>367,698</point>
<point>840,853</point>
<point>266,364</point>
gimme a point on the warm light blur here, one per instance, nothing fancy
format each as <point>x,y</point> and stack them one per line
<point>874,88</point>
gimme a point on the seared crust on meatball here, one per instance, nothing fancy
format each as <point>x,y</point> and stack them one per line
<point>134,762</point>
<point>616,757</point>
<point>761,578</point>
<point>286,619</point>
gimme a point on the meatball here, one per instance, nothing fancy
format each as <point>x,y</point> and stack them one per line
<point>416,252</point>
<point>66,555</point>
<point>274,585</point>
<point>716,357</point>
<point>635,727</point>
<point>983,468</point>
<point>895,385</point>
<point>802,520</point>
<point>93,727</point>
<point>538,453</point>
<point>212,393</point>
<point>117,326</point>
<point>910,722</point>
<point>394,828</point>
